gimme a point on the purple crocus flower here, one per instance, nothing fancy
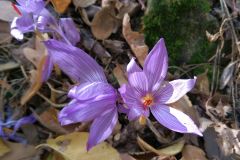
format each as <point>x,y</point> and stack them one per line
<point>146,91</point>
<point>94,99</point>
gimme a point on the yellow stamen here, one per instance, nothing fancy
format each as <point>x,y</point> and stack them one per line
<point>147,100</point>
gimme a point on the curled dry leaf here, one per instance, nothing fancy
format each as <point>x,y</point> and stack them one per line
<point>119,74</point>
<point>104,23</point>
<point>5,36</point>
<point>171,150</point>
<point>135,40</point>
<point>128,7</point>
<point>193,153</point>
<point>211,37</point>
<point>83,3</point>
<point>61,6</point>
<point>227,74</point>
<point>73,147</point>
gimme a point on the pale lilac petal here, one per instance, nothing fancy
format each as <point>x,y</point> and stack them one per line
<point>47,69</point>
<point>75,62</point>
<point>129,95</point>
<point>156,64</point>
<point>102,127</point>
<point>31,6</point>
<point>84,112</point>
<point>122,109</point>
<point>133,67</point>
<point>70,30</point>
<point>136,111</point>
<point>22,121</point>
<point>174,119</point>
<point>174,90</point>
<point>139,81</point>
<point>92,92</point>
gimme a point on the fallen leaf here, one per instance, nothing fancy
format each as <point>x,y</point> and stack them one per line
<point>125,156</point>
<point>167,151</point>
<point>7,12</point>
<point>104,23</point>
<point>128,7</point>
<point>135,40</point>
<point>73,147</point>
<point>19,151</point>
<point>193,153</point>
<point>3,148</point>
<point>227,74</point>
<point>119,74</point>
<point>5,36</point>
<point>202,83</point>
<point>83,3</point>
<point>61,6</point>
<point>49,119</point>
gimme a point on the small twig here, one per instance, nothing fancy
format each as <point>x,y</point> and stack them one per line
<point>50,102</point>
<point>159,137</point>
<point>55,90</point>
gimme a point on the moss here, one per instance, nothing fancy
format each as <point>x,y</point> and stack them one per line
<point>183,24</point>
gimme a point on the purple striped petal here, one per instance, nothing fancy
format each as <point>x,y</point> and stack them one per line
<point>156,64</point>
<point>102,127</point>
<point>133,67</point>
<point>84,112</point>
<point>31,6</point>
<point>21,25</point>
<point>174,90</point>
<point>136,111</point>
<point>139,81</point>
<point>70,30</point>
<point>25,120</point>
<point>47,69</point>
<point>174,119</point>
<point>77,64</point>
<point>92,92</point>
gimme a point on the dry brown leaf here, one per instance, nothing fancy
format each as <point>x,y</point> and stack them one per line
<point>193,153</point>
<point>83,3</point>
<point>128,7</point>
<point>135,40</point>
<point>49,119</point>
<point>119,74</point>
<point>167,151</point>
<point>202,83</point>
<point>61,6</point>
<point>5,36</point>
<point>125,156</point>
<point>19,151</point>
<point>73,147</point>
<point>104,23</point>
<point>211,37</point>
<point>3,148</point>
<point>227,74</point>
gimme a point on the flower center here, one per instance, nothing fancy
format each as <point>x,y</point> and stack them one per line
<point>147,100</point>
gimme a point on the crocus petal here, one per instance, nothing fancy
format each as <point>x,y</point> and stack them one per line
<point>139,81</point>
<point>92,92</point>
<point>102,128</point>
<point>133,67</point>
<point>25,120</point>
<point>47,69</point>
<point>21,25</point>
<point>174,90</point>
<point>75,62</point>
<point>70,30</point>
<point>84,112</point>
<point>156,64</point>
<point>31,6</point>
<point>174,119</point>
<point>136,111</point>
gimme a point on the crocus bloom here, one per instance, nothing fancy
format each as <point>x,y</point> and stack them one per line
<point>146,91</point>
<point>94,99</point>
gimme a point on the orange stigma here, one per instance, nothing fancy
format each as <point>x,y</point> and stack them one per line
<point>147,100</point>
